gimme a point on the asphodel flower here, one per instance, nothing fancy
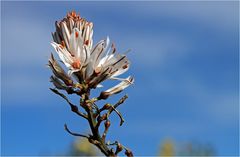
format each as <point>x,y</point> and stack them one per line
<point>90,64</point>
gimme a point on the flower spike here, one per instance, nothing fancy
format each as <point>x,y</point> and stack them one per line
<point>87,67</point>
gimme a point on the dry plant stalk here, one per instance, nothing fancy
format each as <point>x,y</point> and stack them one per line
<point>88,66</point>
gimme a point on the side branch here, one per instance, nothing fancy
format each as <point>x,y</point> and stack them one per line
<point>72,133</point>
<point>113,108</point>
<point>118,113</point>
<point>74,108</point>
<point>121,101</point>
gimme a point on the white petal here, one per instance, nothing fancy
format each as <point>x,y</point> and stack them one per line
<point>71,23</point>
<point>85,55</point>
<point>73,43</point>
<point>120,71</point>
<point>105,60</point>
<point>63,54</point>
<point>89,69</point>
<point>122,85</point>
<point>99,86</point>
<point>76,43</point>
<point>66,33</point>
<point>97,52</point>
<point>107,42</point>
<point>86,33</point>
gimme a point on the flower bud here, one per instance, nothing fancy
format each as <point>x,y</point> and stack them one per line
<point>104,117</point>
<point>104,95</point>
<point>107,124</point>
<point>119,148</point>
<point>106,106</point>
<point>129,153</point>
<point>112,154</point>
<point>97,70</point>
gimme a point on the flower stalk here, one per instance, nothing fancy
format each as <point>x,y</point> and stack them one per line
<point>88,66</point>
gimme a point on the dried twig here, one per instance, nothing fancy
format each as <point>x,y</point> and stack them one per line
<point>113,108</point>
<point>72,133</point>
<point>74,108</point>
<point>121,101</point>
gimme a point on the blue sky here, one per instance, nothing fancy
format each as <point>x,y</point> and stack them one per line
<point>184,59</point>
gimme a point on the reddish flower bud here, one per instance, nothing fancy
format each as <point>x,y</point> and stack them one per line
<point>119,148</point>
<point>106,107</point>
<point>104,116</point>
<point>129,153</point>
<point>104,95</point>
<point>107,124</point>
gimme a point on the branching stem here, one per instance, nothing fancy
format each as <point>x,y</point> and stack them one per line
<point>94,119</point>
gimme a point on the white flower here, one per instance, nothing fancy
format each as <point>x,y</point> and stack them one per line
<point>91,65</point>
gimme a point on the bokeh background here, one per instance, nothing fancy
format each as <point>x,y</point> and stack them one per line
<point>184,58</point>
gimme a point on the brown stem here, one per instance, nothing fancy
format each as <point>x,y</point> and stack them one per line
<point>118,113</point>
<point>107,125</point>
<point>95,132</point>
<point>95,119</point>
<point>113,108</point>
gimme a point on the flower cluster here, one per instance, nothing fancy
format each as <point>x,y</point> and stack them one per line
<point>90,65</point>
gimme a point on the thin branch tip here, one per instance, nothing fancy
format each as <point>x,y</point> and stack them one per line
<point>72,133</point>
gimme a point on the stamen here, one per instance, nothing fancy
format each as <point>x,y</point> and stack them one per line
<point>76,64</point>
<point>62,45</point>
<point>113,45</point>
<point>73,13</point>
<point>98,70</point>
<point>125,66</point>
<point>76,34</point>
<point>113,48</point>
<point>86,42</point>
